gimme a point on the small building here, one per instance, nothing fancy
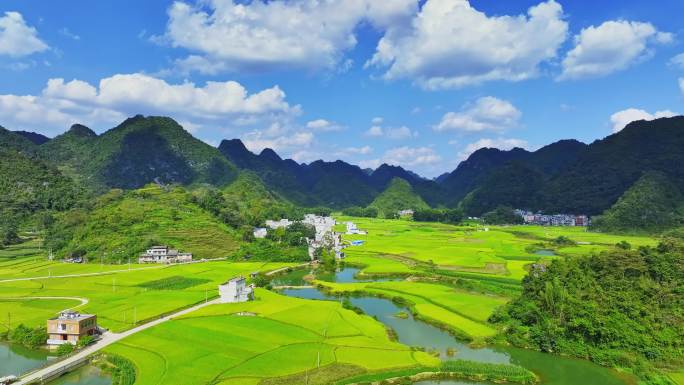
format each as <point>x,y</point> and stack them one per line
<point>236,290</point>
<point>260,232</point>
<point>283,223</point>
<point>70,327</point>
<point>162,254</point>
<point>406,213</point>
<point>352,229</point>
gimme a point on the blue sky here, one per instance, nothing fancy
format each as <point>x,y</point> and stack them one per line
<point>417,84</point>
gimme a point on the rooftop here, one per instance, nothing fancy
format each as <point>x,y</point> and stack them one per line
<point>72,315</point>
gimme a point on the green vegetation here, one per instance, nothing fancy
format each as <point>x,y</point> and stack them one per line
<point>173,283</point>
<point>620,308</point>
<point>29,186</point>
<point>29,337</point>
<point>122,224</point>
<point>652,204</point>
<point>121,157</point>
<point>452,216</point>
<point>502,215</point>
<point>118,298</point>
<point>284,337</point>
<point>451,370</point>
<point>121,369</point>
<point>399,195</point>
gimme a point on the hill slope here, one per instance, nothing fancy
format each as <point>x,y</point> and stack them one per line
<point>608,167</point>
<point>28,186</point>
<point>653,203</point>
<point>122,224</point>
<point>399,195</point>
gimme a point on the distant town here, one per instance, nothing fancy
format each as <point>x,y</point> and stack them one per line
<point>530,218</point>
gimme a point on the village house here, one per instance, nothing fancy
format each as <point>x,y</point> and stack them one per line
<point>352,229</point>
<point>553,219</point>
<point>283,223</point>
<point>162,254</point>
<point>406,213</point>
<point>260,232</point>
<point>70,327</point>
<point>236,290</point>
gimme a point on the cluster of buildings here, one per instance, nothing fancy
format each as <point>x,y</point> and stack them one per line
<point>163,254</point>
<point>553,219</point>
<point>325,235</point>
<point>405,213</point>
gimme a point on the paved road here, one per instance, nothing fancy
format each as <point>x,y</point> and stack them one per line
<point>106,340</point>
<point>107,272</point>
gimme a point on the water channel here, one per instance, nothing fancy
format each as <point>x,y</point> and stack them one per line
<point>553,370</point>
<point>16,359</point>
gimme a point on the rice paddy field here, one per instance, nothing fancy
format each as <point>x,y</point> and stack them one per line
<point>274,337</point>
<point>123,299</point>
<point>284,340</point>
<point>402,246</point>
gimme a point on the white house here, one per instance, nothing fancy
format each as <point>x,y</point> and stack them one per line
<point>352,229</point>
<point>260,232</point>
<point>236,290</point>
<point>406,213</point>
<point>284,223</point>
<point>162,254</point>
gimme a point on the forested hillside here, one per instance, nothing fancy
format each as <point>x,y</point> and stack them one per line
<point>138,151</point>
<point>652,204</point>
<point>621,308</point>
<point>399,195</point>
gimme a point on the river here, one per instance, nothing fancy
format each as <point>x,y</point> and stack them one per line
<point>16,359</point>
<point>552,370</point>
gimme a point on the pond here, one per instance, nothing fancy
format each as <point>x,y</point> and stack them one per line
<point>553,370</point>
<point>16,359</point>
<point>545,253</point>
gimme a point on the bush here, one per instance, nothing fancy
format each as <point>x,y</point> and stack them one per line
<point>85,341</point>
<point>65,349</point>
<point>31,338</point>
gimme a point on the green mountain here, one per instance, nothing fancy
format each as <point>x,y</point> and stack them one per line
<point>12,141</point>
<point>399,195</point>
<point>608,167</point>
<point>34,137</point>
<point>120,224</point>
<point>29,185</point>
<point>138,151</point>
<point>653,203</point>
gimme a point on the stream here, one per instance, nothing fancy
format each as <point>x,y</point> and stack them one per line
<point>552,370</point>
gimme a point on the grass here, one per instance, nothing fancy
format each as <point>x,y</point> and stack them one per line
<point>119,300</point>
<point>406,247</point>
<point>30,312</point>
<point>284,339</point>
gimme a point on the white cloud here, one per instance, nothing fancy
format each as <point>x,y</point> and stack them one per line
<point>611,47</point>
<point>622,118</point>
<point>451,44</point>
<point>374,131</point>
<point>377,120</point>
<point>678,61</point>
<point>500,143</point>
<point>486,114</point>
<point>17,39</point>
<point>394,133</point>
<point>227,35</point>
<point>362,150</point>
<point>411,156</point>
<point>65,32</point>
<point>681,84</point>
<point>286,144</point>
<point>214,105</point>
<point>323,125</point>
